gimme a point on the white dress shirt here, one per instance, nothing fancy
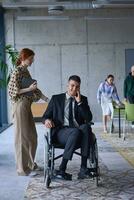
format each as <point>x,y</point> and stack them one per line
<point>66,111</point>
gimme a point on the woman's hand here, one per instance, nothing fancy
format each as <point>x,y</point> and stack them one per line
<point>33,86</point>
<point>44,98</point>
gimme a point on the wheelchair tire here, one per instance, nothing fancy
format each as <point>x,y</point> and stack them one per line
<point>97,176</point>
<point>94,163</point>
<point>47,181</point>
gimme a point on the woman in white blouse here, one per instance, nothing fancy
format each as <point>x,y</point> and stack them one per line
<point>106,94</point>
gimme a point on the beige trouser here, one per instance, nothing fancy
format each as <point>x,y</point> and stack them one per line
<point>25,136</point>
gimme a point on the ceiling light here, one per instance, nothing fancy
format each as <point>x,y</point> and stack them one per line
<point>55,10</point>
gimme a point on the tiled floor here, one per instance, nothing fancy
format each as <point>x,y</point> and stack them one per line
<point>116,182</point>
<point>12,187</point>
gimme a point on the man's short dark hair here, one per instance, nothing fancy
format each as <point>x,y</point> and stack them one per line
<point>75,78</point>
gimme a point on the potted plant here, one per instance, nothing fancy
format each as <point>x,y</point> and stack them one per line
<point>5,69</point>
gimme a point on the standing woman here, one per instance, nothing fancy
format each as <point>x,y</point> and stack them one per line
<point>22,98</point>
<point>107,93</point>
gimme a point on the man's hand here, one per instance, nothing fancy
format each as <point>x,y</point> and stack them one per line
<point>78,97</point>
<point>49,123</point>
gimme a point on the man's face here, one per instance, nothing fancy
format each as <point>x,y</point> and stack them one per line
<point>132,70</point>
<point>73,88</point>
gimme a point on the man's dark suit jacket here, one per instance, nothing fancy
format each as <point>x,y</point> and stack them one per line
<point>55,111</point>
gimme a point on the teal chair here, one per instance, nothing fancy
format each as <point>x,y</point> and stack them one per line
<point>129,117</point>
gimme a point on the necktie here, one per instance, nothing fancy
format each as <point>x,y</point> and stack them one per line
<point>71,124</point>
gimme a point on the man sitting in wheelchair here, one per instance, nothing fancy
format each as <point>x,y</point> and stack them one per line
<point>69,116</point>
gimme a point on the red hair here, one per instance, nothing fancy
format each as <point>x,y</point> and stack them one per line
<point>23,55</point>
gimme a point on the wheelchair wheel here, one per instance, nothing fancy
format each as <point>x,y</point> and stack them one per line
<point>97,169</point>
<point>94,163</point>
<point>47,181</point>
<point>97,176</point>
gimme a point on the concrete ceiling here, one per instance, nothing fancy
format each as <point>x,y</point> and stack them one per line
<point>67,4</point>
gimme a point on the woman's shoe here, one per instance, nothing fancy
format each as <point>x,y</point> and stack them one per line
<point>23,173</point>
<point>105,130</point>
<point>33,173</point>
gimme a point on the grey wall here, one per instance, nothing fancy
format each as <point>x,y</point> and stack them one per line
<point>89,48</point>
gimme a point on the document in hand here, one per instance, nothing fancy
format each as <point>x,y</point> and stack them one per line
<point>25,83</point>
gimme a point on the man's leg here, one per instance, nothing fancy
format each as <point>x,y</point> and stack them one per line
<point>86,137</point>
<point>131,100</point>
<point>86,140</point>
<point>67,137</point>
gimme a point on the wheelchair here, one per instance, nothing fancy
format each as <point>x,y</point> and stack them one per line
<point>49,158</point>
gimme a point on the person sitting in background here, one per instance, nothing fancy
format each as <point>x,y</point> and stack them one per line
<point>106,94</point>
<point>68,114</point>
<point>129,88</point>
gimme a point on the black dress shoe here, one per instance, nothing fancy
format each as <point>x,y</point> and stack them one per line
<point>84,173</point>
<point>63,175</point>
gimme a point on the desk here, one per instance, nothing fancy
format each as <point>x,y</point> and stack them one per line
<point>38,110</point>
<point>119,108</point>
